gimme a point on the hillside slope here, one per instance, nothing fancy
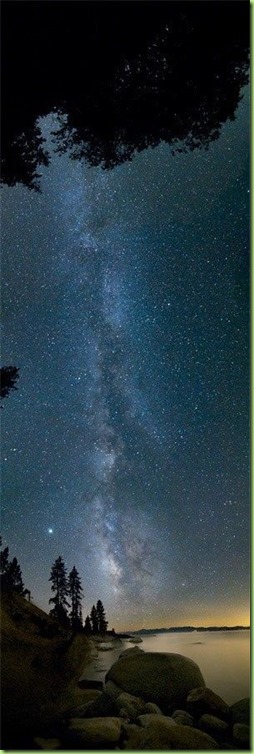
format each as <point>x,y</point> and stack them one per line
<point>39,671</point>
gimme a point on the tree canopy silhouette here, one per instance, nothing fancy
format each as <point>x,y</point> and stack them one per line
<point>8,377</point>
<point>102,622</point>
<point>87,627</point>
<point>119,76</point>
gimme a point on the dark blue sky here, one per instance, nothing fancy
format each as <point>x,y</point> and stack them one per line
<point>126,447</point>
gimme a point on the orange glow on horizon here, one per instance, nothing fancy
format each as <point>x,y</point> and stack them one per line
<point>207,617</point>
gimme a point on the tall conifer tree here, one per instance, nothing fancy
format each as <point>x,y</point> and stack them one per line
<point>101,615</point>
<point>75,592</point>
<point>60,587</point>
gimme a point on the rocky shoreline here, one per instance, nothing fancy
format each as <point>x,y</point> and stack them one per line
<point>150,701</point>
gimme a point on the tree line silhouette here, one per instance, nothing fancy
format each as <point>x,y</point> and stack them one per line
<point>11,575</point>
<point>69,587</point>
<point>67,590</point>
<point>120,77</point>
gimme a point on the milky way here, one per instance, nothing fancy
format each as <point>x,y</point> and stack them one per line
<point>125,448</point>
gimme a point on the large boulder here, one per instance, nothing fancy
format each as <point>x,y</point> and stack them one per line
<point>95,733</point>
<point>163,734</point>
<point>203,700</point>
<point>163,678</point>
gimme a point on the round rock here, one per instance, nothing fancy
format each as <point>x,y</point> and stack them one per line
<point>145,720</point>
<point>151,707</point>
<point>182,717</point>
<point>203,700</point>
<point>99,731</point>
<point>162,678</point>
<point>213,725</point>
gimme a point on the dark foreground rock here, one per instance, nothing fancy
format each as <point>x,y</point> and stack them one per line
<point>163,733</point>
<point>103,706</point>
<point>241,735</point>
<point>133,706</point>
<point>94,733</point>
<point>47,744</point>
<point>240,712</point>
<point>85,683</point>
<point>182,717</point>
<point>164,679</point>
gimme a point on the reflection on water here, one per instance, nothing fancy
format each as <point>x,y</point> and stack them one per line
<point>223,658</point>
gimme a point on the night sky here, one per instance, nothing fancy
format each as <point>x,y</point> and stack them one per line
<point>126,447</point>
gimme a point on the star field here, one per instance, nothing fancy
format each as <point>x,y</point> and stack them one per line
<point>126,447</point>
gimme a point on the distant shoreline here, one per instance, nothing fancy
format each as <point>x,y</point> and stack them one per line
<point>185,629</point>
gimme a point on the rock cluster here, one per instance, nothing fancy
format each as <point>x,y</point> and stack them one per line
<point>151,702</point>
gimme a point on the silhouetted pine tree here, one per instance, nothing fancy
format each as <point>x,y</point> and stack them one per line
<point>87,626</point>
<point>60,587</point>
<point>4,560</point>
<point>15,576</point>
<point>4,566</point>
<point>101,615</point>
<point>75,592</point>
<point>94,620</point>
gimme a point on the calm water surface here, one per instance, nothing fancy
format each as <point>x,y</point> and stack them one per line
<point>223,658</point>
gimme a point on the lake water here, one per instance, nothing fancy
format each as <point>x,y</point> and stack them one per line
<point>223,658</point>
